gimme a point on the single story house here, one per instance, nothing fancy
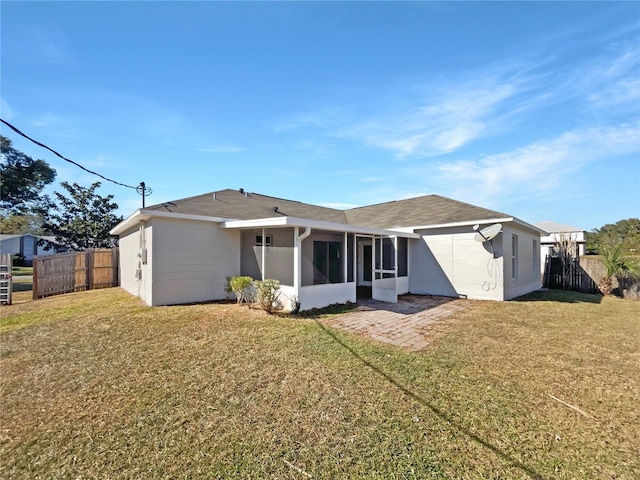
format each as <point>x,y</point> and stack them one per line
<point>557,233</point>
<point>183,251</point>
<point>28,246</point>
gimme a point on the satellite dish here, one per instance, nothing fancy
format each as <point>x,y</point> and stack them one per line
<point>487,233</point>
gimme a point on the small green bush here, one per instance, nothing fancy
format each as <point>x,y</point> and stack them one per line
<point>242,288</point>
<point>267,293</point>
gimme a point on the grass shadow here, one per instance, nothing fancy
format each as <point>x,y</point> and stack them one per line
<point>22,286</point>
<point>531,473</point>
<point>316,313</point>
<point>563,296</point>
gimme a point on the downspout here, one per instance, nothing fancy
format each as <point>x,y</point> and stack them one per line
<point>297,267</point>
<point>305,234</point>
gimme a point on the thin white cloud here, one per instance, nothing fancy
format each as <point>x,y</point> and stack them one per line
<point>434,117</point>
<point>603,81</point>
<point>625,92</point>
<point>538,168</point>
<point>55,125</point>
<point>322,118</point>
<point>299,121</point>
<point>6,110</point>
<point>47,120</point>
<point>438,117</point>
<point>444,120</point>
<point>221,149</point>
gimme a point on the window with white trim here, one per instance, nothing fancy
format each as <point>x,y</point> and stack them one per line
<point>267,240</point>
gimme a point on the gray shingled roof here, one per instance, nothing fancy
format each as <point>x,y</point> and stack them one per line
<point>233,204</point>
<point>419,211</point>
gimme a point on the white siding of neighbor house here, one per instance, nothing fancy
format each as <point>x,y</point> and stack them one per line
<point>191,260</point>
<point>10,245</point>
<point>528,277</point>
<point>548,242</point>
<point>26,245</point>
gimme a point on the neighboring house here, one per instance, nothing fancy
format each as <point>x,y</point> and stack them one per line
<point>27,246</point>
<point>557,233</point>
<point>183,251</point>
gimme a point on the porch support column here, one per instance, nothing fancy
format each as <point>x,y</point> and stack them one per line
<point>296,262</point>
<point>355,258</point>
<point>264,240</point>
<point>395,261</point>
<point>345,256</point>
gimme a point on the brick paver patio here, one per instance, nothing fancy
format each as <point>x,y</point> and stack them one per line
<point>404,324</point>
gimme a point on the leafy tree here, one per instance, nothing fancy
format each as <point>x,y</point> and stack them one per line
<point>624,232</point>
<point>82,220</point>
<point>22,179</point>
<point>21,224</point>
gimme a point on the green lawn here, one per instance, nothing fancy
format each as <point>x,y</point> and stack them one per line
<point>98,385</point>
<point>21,271</point>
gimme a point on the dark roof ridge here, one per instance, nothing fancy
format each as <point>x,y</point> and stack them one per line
<point>469,204</point>
<point>392,201</point>
<point>239,191</point>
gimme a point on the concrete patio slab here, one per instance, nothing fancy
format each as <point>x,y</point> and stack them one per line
<point>404,324</point>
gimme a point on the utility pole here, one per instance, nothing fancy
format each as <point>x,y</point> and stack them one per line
<point>143,190</point>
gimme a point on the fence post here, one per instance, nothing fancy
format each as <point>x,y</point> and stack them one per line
<point>89,266</point>
<point>115,265</point>
<point>34,281</point>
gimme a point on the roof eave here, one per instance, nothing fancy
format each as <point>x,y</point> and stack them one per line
<point>476,222</point>
<point>143,215</point>
<point>315,224</point>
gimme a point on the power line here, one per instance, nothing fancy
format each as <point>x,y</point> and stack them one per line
<point>71,161</point>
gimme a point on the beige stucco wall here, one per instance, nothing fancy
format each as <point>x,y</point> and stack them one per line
<point>191,260</point>
<point>450,262</point>
<point>129,244</point>
<point>278,257</point>
<point>187,261</point>
<point>529,277</point>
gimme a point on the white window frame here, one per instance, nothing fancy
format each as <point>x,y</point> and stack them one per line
<point>259,240</point>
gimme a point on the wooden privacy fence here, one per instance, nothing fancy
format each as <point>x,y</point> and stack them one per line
<point>570,276</point>
<point>74,272</point>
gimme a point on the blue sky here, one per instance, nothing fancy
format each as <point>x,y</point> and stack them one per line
<point>532,109</point>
